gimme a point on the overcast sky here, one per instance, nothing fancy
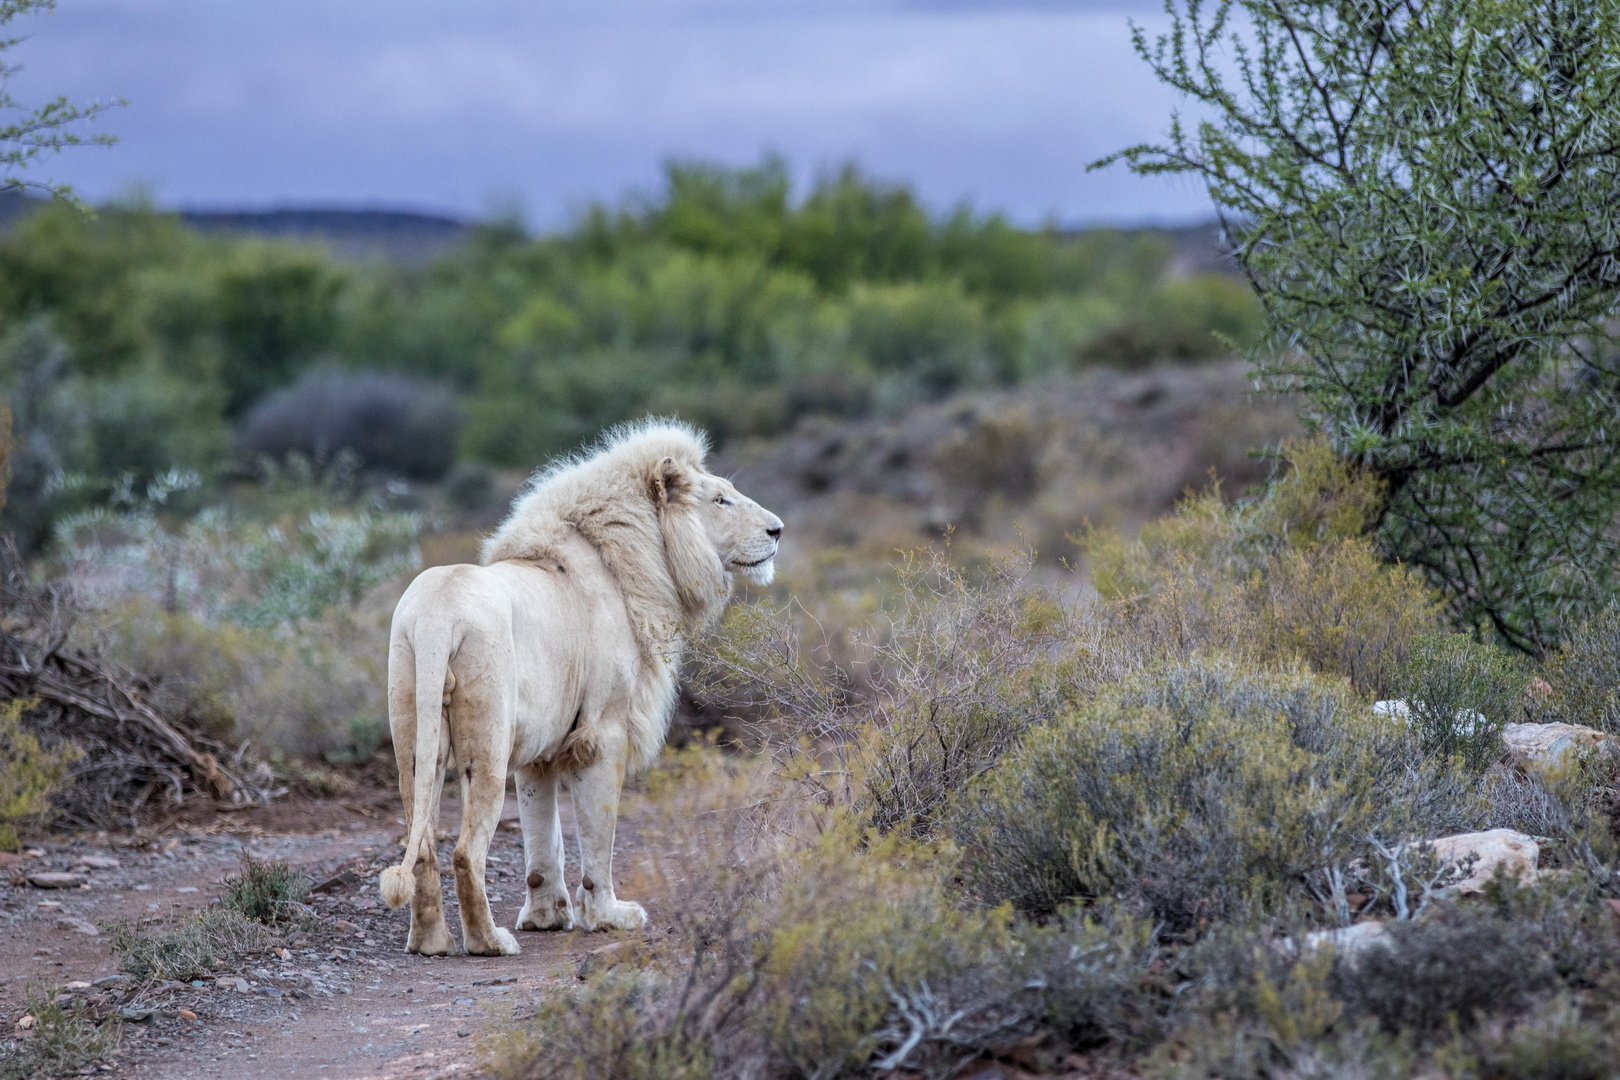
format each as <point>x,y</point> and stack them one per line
<point>473,105</point>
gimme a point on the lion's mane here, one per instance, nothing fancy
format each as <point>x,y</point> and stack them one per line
<point>628,498</point>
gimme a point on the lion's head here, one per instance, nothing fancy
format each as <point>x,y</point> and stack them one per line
<point>711,531</point>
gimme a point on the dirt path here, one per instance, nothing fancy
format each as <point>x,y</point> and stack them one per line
<point>345,1001</point>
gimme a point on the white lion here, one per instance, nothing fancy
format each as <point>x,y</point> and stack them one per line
<point>556,658</point>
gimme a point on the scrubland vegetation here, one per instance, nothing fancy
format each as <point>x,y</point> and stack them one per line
<point>134,347</point>
<point>1074,780</point>
<point>1011,824</point>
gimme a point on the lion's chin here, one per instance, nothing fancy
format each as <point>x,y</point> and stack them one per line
<point>763,574</point>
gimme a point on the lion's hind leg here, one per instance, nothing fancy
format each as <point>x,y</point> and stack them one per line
<point>483,790</point>
<point>428,933</point>
<point>546,905</point>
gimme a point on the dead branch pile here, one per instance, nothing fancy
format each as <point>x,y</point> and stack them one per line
<point>134,758</point>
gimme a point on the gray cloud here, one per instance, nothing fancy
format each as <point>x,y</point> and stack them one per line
<point>1000,103</point>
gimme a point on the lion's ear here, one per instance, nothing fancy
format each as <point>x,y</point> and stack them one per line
<point>669,481</point>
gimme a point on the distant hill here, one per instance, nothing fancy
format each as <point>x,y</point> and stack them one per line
<point>400,236</point>
<point>412,238</point>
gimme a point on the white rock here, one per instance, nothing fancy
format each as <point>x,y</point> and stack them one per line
<point>1396,708</point>
<point>1546,744</point>
<point>1514,851</point>
<point>1350,941</point>
<point>1466,721</point>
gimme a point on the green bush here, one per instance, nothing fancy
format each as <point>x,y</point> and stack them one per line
<point>1584,672</point>
<point>1448,971</point>
<point>1285,575</point>
<point>1199,792</point>
<point>1187,319</point>
<point>62,1042</point>
<point>191,947</point>
<point>1556,1042</point>
<point>29,773</point>
<point>1459,694</point>
<point>266,892</point>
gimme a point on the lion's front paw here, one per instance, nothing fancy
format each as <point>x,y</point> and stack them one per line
<point>609,914</point>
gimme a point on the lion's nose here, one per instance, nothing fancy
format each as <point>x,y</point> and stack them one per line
<point>774,533</point>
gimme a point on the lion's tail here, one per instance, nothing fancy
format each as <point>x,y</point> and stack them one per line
<point>433,685</point>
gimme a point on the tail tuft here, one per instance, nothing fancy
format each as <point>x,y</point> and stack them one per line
<point>397,883</point>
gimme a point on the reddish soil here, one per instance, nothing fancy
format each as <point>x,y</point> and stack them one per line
<point>345,1001</point>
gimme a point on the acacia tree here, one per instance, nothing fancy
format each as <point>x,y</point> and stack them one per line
<point>32,133</point>
<point>1425,194</point>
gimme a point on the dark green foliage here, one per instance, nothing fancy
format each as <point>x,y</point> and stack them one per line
<point>392,423</point>
<point>276,315</point>
<point>266,892</point>
<point>1459,694</point>
<point>1585,672</point>
<point>1423,196</point>
<point>723,299</point>
<point>79,438</point>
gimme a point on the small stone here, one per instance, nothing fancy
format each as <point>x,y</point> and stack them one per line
<point>25,1024</point>
<point>116,982</point>
<point>77,984</point>
<point>188,888</point>
<point>344,926</point>
<point>78,925</point>
<point>98,862</point>
<point>604,958</point>
<point>55,880</point>
<point>135,1014</point>
<point>187,1014</point>
<point>463,1034</point>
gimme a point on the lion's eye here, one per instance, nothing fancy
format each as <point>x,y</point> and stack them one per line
<point>721,500</point>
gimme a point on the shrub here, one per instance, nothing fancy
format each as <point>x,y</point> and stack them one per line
<point>1187,319</point>
<point>266,892</point>
<point>227,567</point>
<point>29,773</point>
<point>78,440</point>
<point>395,424</point>
<point>1454,968</point>
<point>794,954</point>
<point>1286,575</point>
<point>470,487</point>
<point>1555,1043</point>
<point>187,948</point>
<point>1459,694</point>
<point>963,664</point>
<point>1584,672</point>
<point>1201,791</point>
<point>61,1042</point>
